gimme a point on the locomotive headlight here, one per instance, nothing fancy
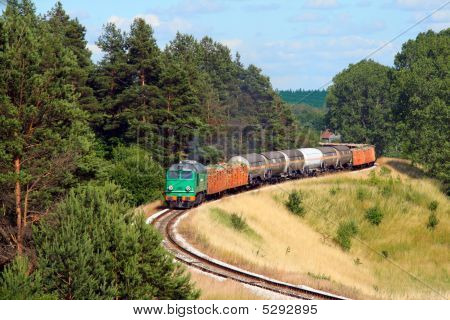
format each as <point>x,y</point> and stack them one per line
<point>170,188</point>
<point>188,188</point>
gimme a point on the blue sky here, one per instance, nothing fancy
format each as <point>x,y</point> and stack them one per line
<point>298,44</point>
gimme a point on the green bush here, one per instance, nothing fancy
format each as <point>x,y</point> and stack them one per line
<point>294,203</point>
<point>433,205</point>
<point>93,247</point>
<point>238,222</point>
<point>134,170</point>
<point>17,284</point>
<point>374,215</point>
<point>433,221</point>
<point>345,232</point>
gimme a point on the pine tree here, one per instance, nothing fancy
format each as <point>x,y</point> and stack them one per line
<point>16,282</point>
<point>72,35</point>
<point>42,128</point>
<point>93,248</point>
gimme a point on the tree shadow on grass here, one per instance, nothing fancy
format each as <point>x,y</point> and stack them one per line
<point>407,168</point>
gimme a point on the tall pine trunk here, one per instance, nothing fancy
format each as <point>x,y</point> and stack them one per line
<point>18,196</point>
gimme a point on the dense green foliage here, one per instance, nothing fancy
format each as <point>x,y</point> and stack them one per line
<point>189,100</point>
<point>310,117</point>
<point>134,170</point>
<point>359,104</point>
<point>16,282</point>
<point>345,232</point>
<point>314,98</point>
<point>294,203</point>
<point>374,215</point>
<point>404,110</point>
<point>92,248</point>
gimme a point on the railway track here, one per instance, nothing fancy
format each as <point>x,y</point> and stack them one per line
<point>166,222</point>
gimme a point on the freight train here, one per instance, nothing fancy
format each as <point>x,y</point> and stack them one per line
<point>189,183</point>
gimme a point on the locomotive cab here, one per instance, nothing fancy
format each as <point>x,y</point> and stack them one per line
<point>185,184</point>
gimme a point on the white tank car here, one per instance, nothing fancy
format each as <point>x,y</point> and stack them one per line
<point>313,158</point>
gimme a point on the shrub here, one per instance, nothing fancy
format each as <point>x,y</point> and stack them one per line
<point>345,232</point>
<point>238,222</point>
<point>91,247</point>
<point>432,221</point>
<point>135,171</point>
<point>294,203</point>
<point>433,205</point>
<point>17,284</point>
<point>374,215</point>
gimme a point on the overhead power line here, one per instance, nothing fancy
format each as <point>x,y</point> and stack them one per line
<point>384,45</point>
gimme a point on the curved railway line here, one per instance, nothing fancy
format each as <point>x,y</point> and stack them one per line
<point>166,223</point>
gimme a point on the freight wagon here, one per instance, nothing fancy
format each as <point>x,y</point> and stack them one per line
<point>189,183</point>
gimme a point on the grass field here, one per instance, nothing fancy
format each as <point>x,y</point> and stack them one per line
<point>398,258</point>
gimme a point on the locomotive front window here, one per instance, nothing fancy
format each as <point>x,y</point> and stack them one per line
<point>172,175</point>
<point>186,175</point>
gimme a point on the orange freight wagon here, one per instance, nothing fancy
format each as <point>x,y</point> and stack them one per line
<point>358,157</point>
<point>225,176</point>
<point>369,154</point>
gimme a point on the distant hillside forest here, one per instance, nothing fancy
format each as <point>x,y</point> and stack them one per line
<point>314,98</point>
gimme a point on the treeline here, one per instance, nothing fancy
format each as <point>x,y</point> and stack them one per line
<point>314,98</point>
<point>88,142</point>
<point>310,117</point>
<point>403,110</point>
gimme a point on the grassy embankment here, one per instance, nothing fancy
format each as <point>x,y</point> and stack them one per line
<point>265,237</point>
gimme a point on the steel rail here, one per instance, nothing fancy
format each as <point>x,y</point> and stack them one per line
<point>165,223</point>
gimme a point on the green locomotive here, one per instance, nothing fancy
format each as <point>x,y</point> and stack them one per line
<point>186,184</point>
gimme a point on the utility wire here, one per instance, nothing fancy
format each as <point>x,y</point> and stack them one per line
<point>387,43</point>
<point>378,253</point>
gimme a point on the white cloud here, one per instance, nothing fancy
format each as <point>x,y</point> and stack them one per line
<point>418,4</point>
<point>124,23</point>
<point>197,7</point>
<point>94,48</point>
<point>441,16</point>
<point>321,4</point>
<point>321,30</point>
<point>177,24</point>
<point>120,22</point>
<point>151,19</point>
<point>233,44</point>
<point>97,53</point>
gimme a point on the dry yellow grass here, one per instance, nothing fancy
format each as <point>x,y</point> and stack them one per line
<point>150,208</point>
<point>220,289</point>
<point>302,250</point>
